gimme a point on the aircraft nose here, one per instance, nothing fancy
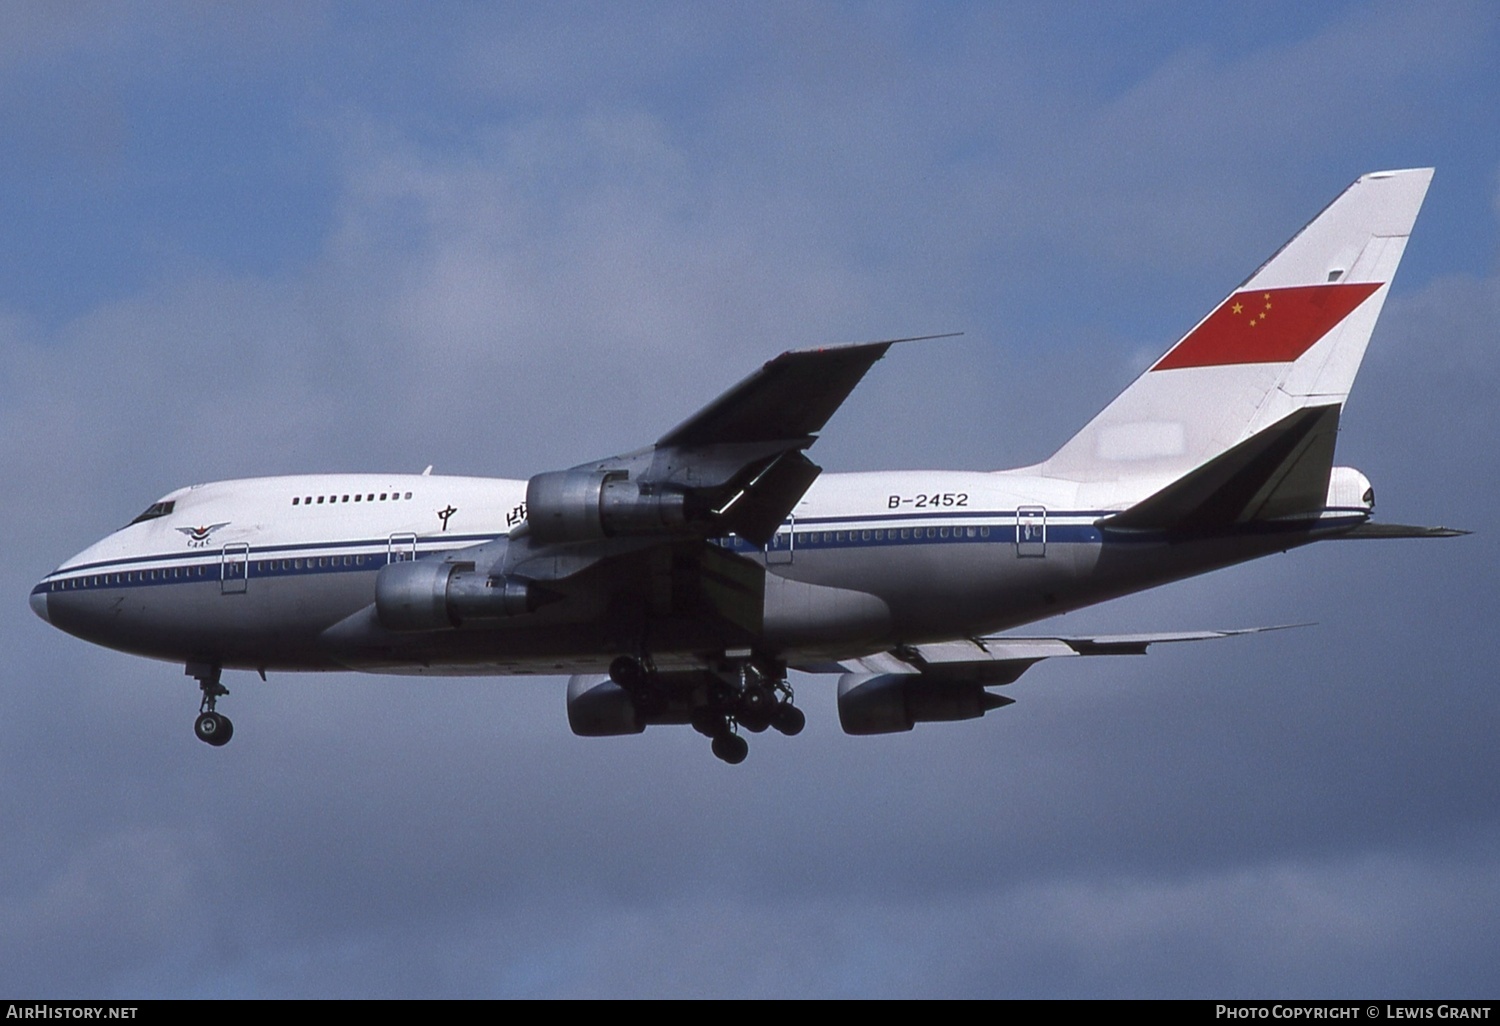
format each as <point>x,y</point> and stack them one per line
<point>39,605</point>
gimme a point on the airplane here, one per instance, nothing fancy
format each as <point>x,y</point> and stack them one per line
<point>679,583</point>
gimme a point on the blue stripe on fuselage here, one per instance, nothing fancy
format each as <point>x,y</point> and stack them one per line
<point>810,534</point>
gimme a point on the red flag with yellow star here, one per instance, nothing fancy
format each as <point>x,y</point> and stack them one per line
<point>1266,325</point>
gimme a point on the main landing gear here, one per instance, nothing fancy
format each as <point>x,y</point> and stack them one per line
<point>212,727</point>
<point>746,692</point>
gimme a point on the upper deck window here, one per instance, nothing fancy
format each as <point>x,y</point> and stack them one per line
<point>156,509</point>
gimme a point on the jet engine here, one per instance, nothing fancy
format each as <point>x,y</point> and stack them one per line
<point>428,595</point>
<point>892,702</point>
<point>586,505</point>
<point>598,707</point>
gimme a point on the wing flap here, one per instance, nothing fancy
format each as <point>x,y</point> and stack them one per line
<point>756,512</point>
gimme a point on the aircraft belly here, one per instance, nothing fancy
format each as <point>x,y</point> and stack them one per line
<point>272,624</point>
<point>1129,566</point>
<point>938,590</point>
<point>800,614</point>
<point>360,642</point>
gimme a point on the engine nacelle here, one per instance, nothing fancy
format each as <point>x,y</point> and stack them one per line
<point>585,505</point>
<point>428,595</point>
<point>892,702</point>
<point>598,707</point>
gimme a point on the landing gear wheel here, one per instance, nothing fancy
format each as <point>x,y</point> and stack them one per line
<point>789,719</point>
<point>731,748</point>
<point>757,708</point>
<point>214,729</point>
<point>211,727</point>
<point>628,673</point>
<point>708,722</point>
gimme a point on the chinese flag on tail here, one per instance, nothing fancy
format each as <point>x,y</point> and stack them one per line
<point>1267,325</point>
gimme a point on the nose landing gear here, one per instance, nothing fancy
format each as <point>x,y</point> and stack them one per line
<point>212,727</point>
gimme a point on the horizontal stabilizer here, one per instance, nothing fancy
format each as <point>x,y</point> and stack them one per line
<point>1371,530</point>
<point>1282,471</point>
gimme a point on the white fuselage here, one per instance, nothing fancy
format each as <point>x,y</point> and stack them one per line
<point>278,572</point>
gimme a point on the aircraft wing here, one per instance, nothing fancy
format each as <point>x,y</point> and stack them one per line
<point>734,467</point>
<point>636,531</point>
<point>1002,659</point>
<point>787,400</point>
<point>891,691</point>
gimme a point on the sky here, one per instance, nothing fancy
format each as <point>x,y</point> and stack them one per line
<point>263,239</point>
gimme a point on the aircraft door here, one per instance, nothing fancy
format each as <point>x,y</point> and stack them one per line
<point>1031,531</point>
<point>234,568</point>
<point>779,548</point>
<point>401,548</point>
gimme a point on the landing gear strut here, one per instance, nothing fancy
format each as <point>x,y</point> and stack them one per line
<point>744,693</point>
<point>755,696</point>
<point>638,678</point>
<point>211,727</point>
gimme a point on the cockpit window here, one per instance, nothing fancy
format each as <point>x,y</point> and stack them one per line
<point>156,509</point>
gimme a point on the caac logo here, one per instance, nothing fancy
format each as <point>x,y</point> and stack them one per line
<point>198,536</point>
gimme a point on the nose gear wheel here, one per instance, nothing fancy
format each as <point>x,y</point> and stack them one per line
<point>214,728</point>
<point>211,727</point>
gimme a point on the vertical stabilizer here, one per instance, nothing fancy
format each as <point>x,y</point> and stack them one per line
<point>1292,336</point>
